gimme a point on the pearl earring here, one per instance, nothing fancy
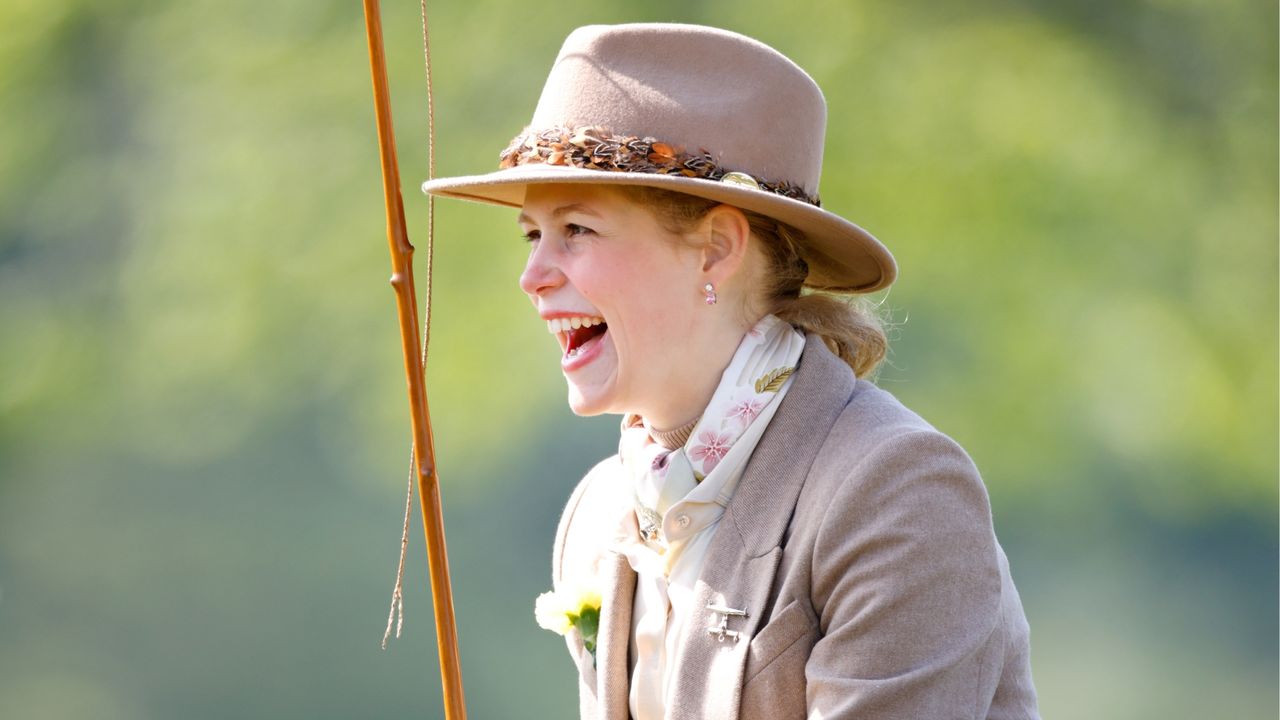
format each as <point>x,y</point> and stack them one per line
<point>710,290</point>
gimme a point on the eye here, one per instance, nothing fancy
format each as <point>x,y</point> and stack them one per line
<point>532,236</point>
<point>574,229</point>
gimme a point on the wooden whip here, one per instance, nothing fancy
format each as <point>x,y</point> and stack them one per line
<point>410,339</point>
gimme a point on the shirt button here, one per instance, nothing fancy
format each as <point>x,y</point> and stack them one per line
<point>683,521</point>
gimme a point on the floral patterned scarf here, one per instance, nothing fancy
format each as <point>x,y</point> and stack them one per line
<point>680,495</point>
<point>765,359</point>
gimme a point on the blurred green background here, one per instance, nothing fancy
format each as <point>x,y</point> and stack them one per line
<point>203,429</point>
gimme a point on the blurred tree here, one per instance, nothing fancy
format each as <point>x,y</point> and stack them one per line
<point>202,423</point>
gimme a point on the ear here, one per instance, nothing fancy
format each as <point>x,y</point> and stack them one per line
<point>727,233</point>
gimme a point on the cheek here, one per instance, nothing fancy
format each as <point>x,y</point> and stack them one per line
<point>617,283</point>
<point>648,287</point>
<point>656,321</point>
<point>657,267</point>
<point>646,292</point>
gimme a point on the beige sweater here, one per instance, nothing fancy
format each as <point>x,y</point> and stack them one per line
<point>859,541</point>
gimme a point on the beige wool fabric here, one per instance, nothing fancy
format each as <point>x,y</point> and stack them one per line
<point>860,543</point>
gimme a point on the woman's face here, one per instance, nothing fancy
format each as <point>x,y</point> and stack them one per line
<point>617,290</point>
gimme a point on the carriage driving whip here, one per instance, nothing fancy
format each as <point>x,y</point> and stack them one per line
<point>424,463</point>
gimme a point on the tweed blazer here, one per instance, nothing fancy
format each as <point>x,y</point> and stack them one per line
<point>860,544</point>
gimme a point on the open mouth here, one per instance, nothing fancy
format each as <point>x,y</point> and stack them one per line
<point>577,333</point>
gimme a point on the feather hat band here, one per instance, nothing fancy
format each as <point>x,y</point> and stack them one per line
<point>695,110</point>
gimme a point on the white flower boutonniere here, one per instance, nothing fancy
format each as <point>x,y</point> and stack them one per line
<point>576,605</point>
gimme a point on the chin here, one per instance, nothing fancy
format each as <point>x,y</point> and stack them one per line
<point>585,406</point>
<point>594,389</point>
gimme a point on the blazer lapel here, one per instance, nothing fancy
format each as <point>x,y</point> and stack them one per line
<point>744,554</point>
<point>606,518</point>
<point>613,638</point>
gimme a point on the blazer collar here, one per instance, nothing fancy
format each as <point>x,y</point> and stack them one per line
<point>742,560</point>
<point>762,504</point>
<point>740,565</point>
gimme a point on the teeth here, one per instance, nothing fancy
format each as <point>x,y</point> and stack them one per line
<point>564,325</point>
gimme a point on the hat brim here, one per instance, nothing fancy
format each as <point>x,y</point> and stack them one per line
<point>842,257</point>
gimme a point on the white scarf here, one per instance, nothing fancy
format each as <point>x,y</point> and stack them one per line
<point>681,494</point>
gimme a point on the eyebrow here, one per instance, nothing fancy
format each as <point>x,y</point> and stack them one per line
<point>562,210</point>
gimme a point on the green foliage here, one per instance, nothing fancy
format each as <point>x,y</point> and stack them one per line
<point>202,423</point>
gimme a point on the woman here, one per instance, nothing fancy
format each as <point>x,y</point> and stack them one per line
<point>776,537</point>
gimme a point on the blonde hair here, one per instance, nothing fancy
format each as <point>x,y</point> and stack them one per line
<point>849,325</point>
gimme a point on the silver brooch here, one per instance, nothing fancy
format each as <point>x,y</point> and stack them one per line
<point>722,630</point>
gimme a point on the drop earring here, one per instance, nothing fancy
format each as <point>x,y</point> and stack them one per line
<point>710,290</point>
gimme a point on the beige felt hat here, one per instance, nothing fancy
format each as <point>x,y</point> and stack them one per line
<point>692,109</point>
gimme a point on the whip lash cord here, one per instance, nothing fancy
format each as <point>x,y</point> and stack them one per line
<point>396,615</point>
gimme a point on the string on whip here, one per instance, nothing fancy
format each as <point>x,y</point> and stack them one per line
<point>396,615</point>
<point>413,344</point>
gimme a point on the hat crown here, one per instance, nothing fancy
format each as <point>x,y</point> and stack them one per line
<point>703,88</point>
<point>690,109</point>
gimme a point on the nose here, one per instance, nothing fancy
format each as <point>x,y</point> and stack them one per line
<point>540,272</point>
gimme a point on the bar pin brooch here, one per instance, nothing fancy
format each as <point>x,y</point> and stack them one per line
<point>722,630</point>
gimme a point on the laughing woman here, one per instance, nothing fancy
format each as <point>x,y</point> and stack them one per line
<point>776,537</point>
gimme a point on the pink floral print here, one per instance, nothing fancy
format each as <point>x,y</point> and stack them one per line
<point>714,446</point>
<point>660,463</point>
<point>746,411</point>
